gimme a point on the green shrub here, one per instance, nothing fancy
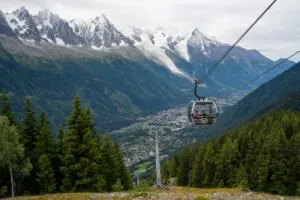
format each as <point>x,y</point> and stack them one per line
<point>142,187</point>
<point>118,187</point>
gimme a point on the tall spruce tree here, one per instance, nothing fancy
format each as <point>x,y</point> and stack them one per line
<point>241,178</point>
<point>46,150</point>
<point>109,163</point>
<point>81,147</point>
<point>123,173</point>
<point>225,161</point>
<point>173,166</point>
<point>184,168</point>
<point>278,169</point>
<point>45,141</point>
<point>197,170</point>
<point>29,132</point>
<point>208,163</point>
<point>45,175</point>
<point>293,165</point>
<point>57,161</point>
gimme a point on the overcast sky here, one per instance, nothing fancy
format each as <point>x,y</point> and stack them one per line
<point>276,35</point>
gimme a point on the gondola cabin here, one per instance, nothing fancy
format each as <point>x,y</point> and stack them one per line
<point>202,112</point>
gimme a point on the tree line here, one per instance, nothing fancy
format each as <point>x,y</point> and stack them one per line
<point>34,160</point>
<point>263,155</point>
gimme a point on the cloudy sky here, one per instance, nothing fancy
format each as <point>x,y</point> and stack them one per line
<point>276,35</point>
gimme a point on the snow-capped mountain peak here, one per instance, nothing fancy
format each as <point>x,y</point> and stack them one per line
<point>101,20</point>
<point>4,27</point>
<point>198,38</point>
<point>21,12</point>
<point>46,16</point>
<point>22,23</point>
<point>200,42</point>
<point>160,44</point>
<point>56,30</point>
<point>99,24</point>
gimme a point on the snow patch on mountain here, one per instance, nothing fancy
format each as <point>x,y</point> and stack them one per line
<point>60,42</point>
<point>99,32</point>
<point>181,47</point>
<point>205,43</point>
<point>156,52</point>
<point>14,23</point>
<point>153,45</point>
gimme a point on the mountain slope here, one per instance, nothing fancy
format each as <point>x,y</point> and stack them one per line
<point>56,30</point>
<point>282,92</point>
<point>118,89</point>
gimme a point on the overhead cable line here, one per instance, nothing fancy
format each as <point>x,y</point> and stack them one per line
<point>268,70</point>
<point>239,39</point>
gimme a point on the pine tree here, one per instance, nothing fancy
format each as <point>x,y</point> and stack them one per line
<point>262,171</point>
<point>226,163</point>
<point>45,141</point>
<point>173,167</point>
<point>278,170</point>
<point>293,165</point>
<point>241,178</point>
<point>184,167</point>
<point>123,173</point>
<point>29,139</point>
<point>29,130</point>
<point>197,169</point>
<point>255,145</point>
<point>57,161</point>
<point>6,111</point>
<point>208,164</point>
<point>108,163</point>
<point>45,175</point>
<point>81,153</point>
<point>46,152</point>
<point>70,155</point>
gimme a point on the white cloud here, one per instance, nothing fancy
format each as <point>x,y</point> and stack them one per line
<point>277,34</point>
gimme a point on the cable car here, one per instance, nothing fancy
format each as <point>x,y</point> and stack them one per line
<point>202,111</point>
